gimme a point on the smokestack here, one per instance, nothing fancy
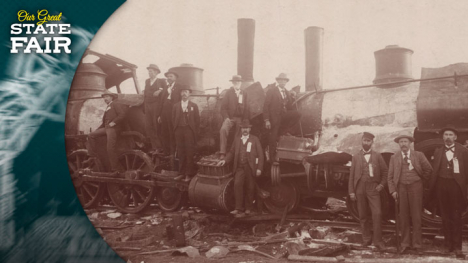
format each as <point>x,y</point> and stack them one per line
<point>393,63</point>
<point>245,49</point>
<point>313,58</point>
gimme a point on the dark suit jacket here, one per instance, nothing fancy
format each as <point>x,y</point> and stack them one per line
<point>229,104</point>
<point>115,113</point>
<point>273,106</point>
<point>379,167</point>
<point>254,157</point>
<point>175,97</point>
<point>150,89</point>
<point>461,153</point>
<point>420,164</point>
<point>194,116</point>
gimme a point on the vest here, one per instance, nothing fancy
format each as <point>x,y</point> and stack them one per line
<point>407,176</point>
<point>446,168</point>
<point>184,120</point>
<point>365,177</point>
<point>243,154</point>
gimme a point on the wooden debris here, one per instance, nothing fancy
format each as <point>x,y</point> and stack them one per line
<point>252,249</point>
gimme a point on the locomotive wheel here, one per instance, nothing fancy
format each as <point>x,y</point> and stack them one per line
<point>133,198</point>
<point>386,206</point>
<point>170,199</point>
<point>89,193</point>
<point>431,214</point>
<point>281,196</point>
<point>275,174</point>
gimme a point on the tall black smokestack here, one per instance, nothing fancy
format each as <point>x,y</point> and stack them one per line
<point>313,58</point>
<point>245,49</point>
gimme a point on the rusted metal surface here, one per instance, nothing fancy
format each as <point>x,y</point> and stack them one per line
<point>443,102</point>
<point>393,63</point>
<point>255,99</point>
<point>310,107</point>
<point>294,148</point>
<point>313,58</point>
<point>212,192</point>
<point>190,76</point>
<point>245,49</point>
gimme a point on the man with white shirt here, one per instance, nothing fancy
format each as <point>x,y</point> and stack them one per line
<point>153,87</point>
<point>167,99</point>
<point>406,172</point>
<point>247,156</point>
<point>449,185</point>
<point>233,110</point>
<point>279,114</point>
<point>368,176</point>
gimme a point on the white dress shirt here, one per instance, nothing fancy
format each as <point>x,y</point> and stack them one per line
<point>366,155</point>
<point>408,155</point>
<point>244,139</point>
<point>152,81</point>
<point>450,154</point>
<point>184,106</point>
<point>283,94</point>
<point>169,89</point>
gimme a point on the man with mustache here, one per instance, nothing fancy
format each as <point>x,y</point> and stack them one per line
<point>247,154</point>
<point>406,172</point>
<point>368,176</point>
<point>448,184</point>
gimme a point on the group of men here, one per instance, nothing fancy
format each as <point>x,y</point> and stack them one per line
<point>408,172</point>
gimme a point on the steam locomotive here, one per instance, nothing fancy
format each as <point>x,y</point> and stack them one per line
<point>311,166</point>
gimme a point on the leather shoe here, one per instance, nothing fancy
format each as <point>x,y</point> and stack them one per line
<point>222,156</point>
<point>403,250</point>
<point>381,247</point>
<point>366,244</point>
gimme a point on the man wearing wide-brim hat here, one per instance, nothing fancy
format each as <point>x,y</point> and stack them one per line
<point>279,114</point>
<point>167,99</point>
<point>368,177</point>
<point>406,173</point>
<point>448,187</point>
<point>186,121</point>
<point>246,156</point>
<point>153,87</point>
<point>112,124</point>
<point>233,111</point>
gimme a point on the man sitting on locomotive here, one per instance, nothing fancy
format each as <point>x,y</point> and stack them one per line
<point>186,121</point>
<point>233,110</point>
<point>111,126</point>
<point>278,112</point>
<point>247,154</point>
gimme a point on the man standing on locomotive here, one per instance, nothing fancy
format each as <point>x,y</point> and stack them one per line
<point>247,153</point>
<point>153,87</point>
<point>278,112</point>
<point>233,110</point>
<point>167,99</point>
<point>186,121</point>
<point>448,183</point>
<point>368,176</point>
<point>111,126</point>
<point>405,173</point>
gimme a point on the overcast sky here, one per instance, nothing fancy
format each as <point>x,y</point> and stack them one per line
<point>204,33</point>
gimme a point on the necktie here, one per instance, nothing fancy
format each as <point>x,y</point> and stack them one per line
<point>283,93</point>
<point>452,149</point>
<point>406,158</point>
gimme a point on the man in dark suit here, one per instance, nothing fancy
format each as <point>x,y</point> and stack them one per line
<point>112,124</point>
<point>368,176</point>
<point>167,99</point>
<point>186,121</point>
<point>153,87</point>
<point>448,183</point>
<point>247,154</point>
<point>233,110</point>
<point>278,112</point>
<point>406,172</point>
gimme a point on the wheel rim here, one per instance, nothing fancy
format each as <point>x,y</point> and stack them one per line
<point>431,213</point>
<point>89,193</point>
<point>170,199</point>
<point>132,198</point>
<point>281,196</point>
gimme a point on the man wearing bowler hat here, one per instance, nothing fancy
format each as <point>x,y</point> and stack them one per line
<point>153,87</point>
<point>233,110</point>
<point>167,99</point>
<point>368,176</point>
<point>406,172</point>
<point>278,112</point>
<point>449,185</point>
<point>112,123</point>
<point>186,121</point>
<point>247,154</point>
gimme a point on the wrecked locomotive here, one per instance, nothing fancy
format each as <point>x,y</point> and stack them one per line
<point>311,166</point>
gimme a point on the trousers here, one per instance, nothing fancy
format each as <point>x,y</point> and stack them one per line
<point>411,205</point>
<point>111,134</point>
<point>185,144</point>
<point>167,133</point>
<point>224,132</point>
<point>450,199</point>
<point>287,121</point>
<point>244,188</point>
<point>369,198</point>
<point>151,125</point>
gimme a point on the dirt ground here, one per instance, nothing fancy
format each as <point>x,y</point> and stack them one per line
<point>149,237</point>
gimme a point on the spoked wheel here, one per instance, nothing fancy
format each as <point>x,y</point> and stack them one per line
<point>89,193</point>
<point>133,198</point>
<point>170,198</point>
<point>281,196</point>
<point>431,211</point>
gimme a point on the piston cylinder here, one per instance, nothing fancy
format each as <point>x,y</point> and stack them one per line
<point>392,64</point>
<point>213,192</point>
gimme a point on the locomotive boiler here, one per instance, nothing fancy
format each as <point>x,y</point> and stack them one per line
<point>312,164</point>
